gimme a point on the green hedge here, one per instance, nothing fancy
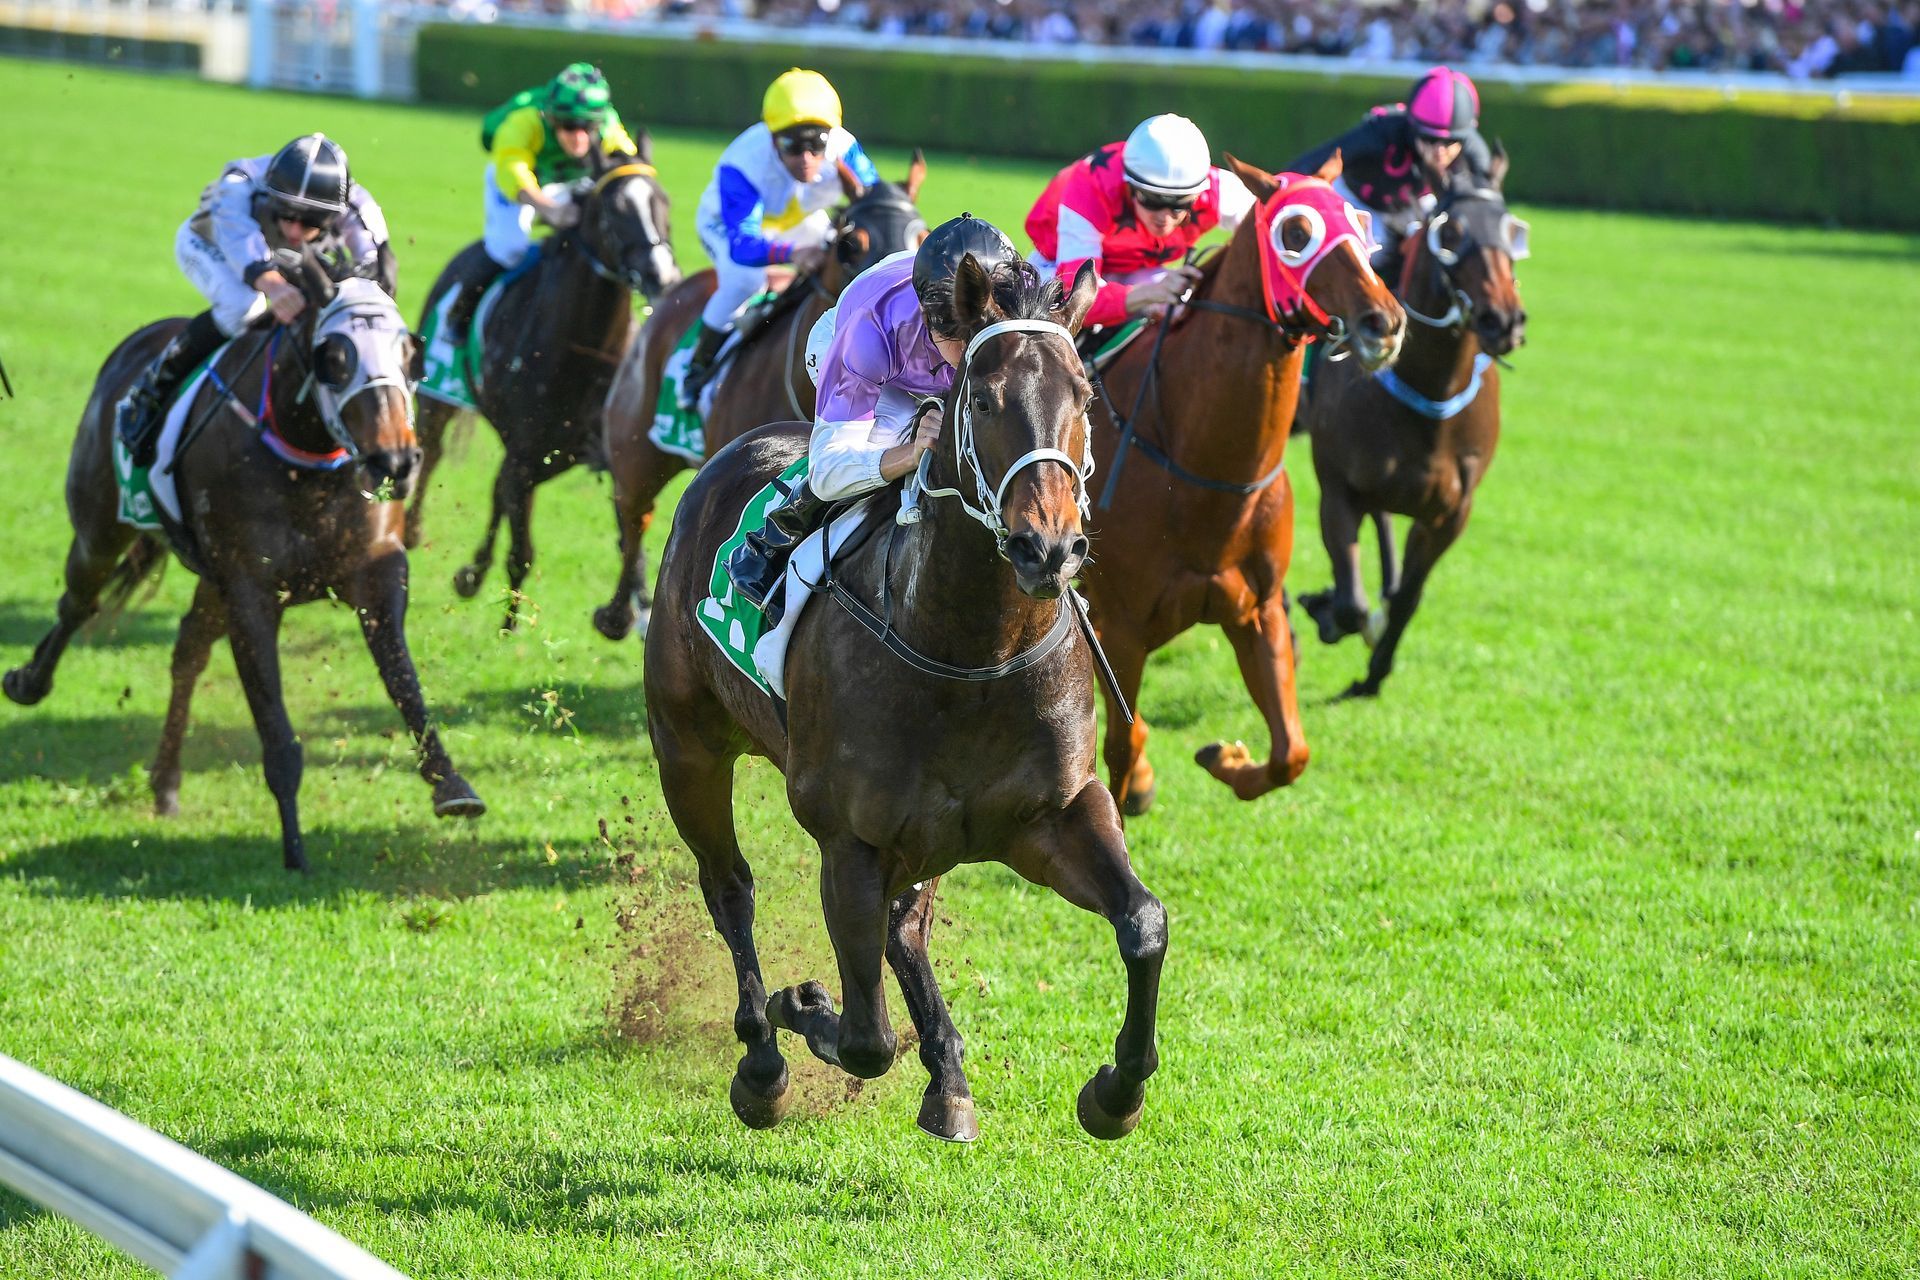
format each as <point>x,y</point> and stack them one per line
<point>77,46</point>
<point>1778,157</point>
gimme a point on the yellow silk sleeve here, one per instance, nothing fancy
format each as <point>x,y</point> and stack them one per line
<point>516,143</point>
<point>615,140</point>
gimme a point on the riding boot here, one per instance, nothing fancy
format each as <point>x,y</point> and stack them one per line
<point>460,314</point>
<point>700,365</point>
<point>137,417</point>
<point>757,563</point>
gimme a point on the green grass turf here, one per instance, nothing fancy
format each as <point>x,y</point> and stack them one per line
<point>1588,950</point>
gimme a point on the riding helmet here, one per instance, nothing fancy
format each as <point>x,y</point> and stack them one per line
<point>308,178</point>
<point>939,255</point>
<point>1168,155</point>
<point>579,93</point>
<point>800,97</point>
<point>1444,104</point>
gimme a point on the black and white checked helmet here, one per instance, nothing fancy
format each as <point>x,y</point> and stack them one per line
<point>307,179</point>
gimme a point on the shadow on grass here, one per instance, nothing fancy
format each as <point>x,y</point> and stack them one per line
<point>22,625</point>
<point>593,708</point>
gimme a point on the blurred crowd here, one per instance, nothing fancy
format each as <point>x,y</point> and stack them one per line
<point>1801,38</point>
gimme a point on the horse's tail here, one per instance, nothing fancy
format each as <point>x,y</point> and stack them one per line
<point>145,559</point>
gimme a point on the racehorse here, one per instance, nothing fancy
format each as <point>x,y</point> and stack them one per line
<point>552,344</point>
<point>766,379</point>
<point>1418,442</point>
<point>1199,528</point>
<point>289,493</point>
<point>974,609</point>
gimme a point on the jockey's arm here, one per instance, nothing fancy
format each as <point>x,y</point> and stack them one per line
<point>1235,200</point>
<point>614,138</point>
<point>516,144</point>
<point>1082,228</point>
<point>363,234</point>
<point>849,452</point>
<point>860,162</point>
<point>235,232</point>
<point>741,209</point>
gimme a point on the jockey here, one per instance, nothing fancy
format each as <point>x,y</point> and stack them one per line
<point>1385,159</point>
<point>1134,209</point>
<point>538,141</point>
<point>889,362</point>
<point>299,197</point>
<point>768,203</point>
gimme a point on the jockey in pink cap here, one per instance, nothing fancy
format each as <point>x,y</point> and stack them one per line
<point>1385,159</point>
<point>1134,209</point>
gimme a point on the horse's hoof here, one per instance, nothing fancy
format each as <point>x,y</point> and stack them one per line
<point>615,622</point>
<point>1359,689</point>
<point>1100,1122</point>
<point>295,859</point>
<point>23,690</point>
<point>1374,627</point>
<point>757,1110</point>
<point>453,798</point>
<point>466,582</point>
<point>949,1119</point>
<point>1216,756</point>
<point>1138,802</point>
<point>166,804</point>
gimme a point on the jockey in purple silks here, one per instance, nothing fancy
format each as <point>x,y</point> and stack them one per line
<point>891,347</point>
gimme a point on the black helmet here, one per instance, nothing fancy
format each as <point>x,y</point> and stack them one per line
<point>307,179</point>
<point>940,253</point>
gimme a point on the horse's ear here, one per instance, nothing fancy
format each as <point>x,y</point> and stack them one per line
<point>643,147</point>
<point>972,293</point>
<point>1086,287</point>
<point>916,174</point>
<point>1258,180</point>
<point>853,245</point>
<point>1497,171</point>
<point>1331,169</point>
<point>850,184</point>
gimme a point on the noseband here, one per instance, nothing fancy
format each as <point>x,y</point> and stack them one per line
<point>990,498</point>
<point>615,275</point>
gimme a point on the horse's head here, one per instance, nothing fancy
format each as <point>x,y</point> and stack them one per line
<point>877,222</point>
<point>1021,402</point>
<point>1469,244</point>
<point>363,363</point>
<point>1314,252</point>
<point>625,221</point>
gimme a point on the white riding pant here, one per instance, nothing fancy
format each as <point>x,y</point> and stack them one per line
<point>739,282</point>
<point>509,225</point>
<point>235,303</point>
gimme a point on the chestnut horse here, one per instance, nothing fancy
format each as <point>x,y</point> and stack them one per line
<point>1418,442</point>
<point>1200,528</point>
<point>766,378</point>
<point>981,628</point>
<point>554,340</point>
<point>275,507</point>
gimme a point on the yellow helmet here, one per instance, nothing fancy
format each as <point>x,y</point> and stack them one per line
<point>800,97</point>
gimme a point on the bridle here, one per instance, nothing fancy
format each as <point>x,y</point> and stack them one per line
<point>1514,236</point>
<point>626,278</point>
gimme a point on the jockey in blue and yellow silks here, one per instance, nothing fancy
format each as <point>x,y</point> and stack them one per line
<point>768,202</point>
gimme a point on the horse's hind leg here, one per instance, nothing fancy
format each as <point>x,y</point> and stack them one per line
<point>1264,648</point>
<point>253,629</point>
<point>1124,749</point>
<point>640,471</point>
<point>947,1109</point>
<point>519,514</point>
<point>852,894</point>
<point>1426,543</point>
<point>1082,855</point>
<point>1341,610</point>
<point>431,429</point>
<point>91,562</point>
<point>205,623</point>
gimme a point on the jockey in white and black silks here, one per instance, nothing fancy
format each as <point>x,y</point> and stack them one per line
<point>885,358</point>
<point>768,204</point>
<point>1385,159</point>
<point>301,197</point>
<point>1134,209</point>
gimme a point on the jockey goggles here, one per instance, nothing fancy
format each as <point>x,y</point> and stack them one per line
<point>574,124</point>
<point>312,219</point>
<point>810,140</point>
<point>1163,203</point>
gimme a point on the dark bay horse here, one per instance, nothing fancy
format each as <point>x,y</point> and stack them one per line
<point>766,379</point>
<point>1199,528</point>
<point>1417,443</point>
<point>901,775</point>
<point>284,497</point>
<point>552,345</point>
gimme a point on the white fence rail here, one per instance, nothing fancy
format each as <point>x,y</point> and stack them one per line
<point>174,1210</point>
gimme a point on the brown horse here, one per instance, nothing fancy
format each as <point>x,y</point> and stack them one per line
<point>274,511</point>
<point>1417,441</point>
<point>981,648</point>
<point>1200,529</point>
<point>552,344</point>
<point>766,380</point>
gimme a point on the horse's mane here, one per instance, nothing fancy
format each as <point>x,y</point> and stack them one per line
<point>1021,293</point>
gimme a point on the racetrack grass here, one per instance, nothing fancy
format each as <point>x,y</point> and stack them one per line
<point>1590,949</point>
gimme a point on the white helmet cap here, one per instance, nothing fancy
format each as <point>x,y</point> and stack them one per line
<point>1169,155</point>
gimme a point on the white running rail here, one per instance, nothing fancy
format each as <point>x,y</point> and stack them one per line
<point>171,1208</point>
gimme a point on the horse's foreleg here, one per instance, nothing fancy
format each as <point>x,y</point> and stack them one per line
<point>853,896</point>
<point>1341,610</point>
<point>519,515</point>
<point>379,596</point>
<point>205,622</point>
<point>1389,559</point>
<point>90,564</point>
<point>1124,747</point>
<point>698,786</point>
<point>1426,543</point>
<point>253,629</point>
<point>467,579</point>
<point>946,1111</point>
<point>1264,648</point>
<point>431,431</point>
<point>1082,855</point>
<point>640,471</point>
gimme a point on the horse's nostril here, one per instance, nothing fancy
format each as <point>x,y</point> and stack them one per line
<point>1078,547</point>
<point>1374,324</point>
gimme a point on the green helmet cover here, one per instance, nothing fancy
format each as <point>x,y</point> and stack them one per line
<point>579,93</point>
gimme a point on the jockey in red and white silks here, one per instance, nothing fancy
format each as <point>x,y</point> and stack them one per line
<point>1134,209</point>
